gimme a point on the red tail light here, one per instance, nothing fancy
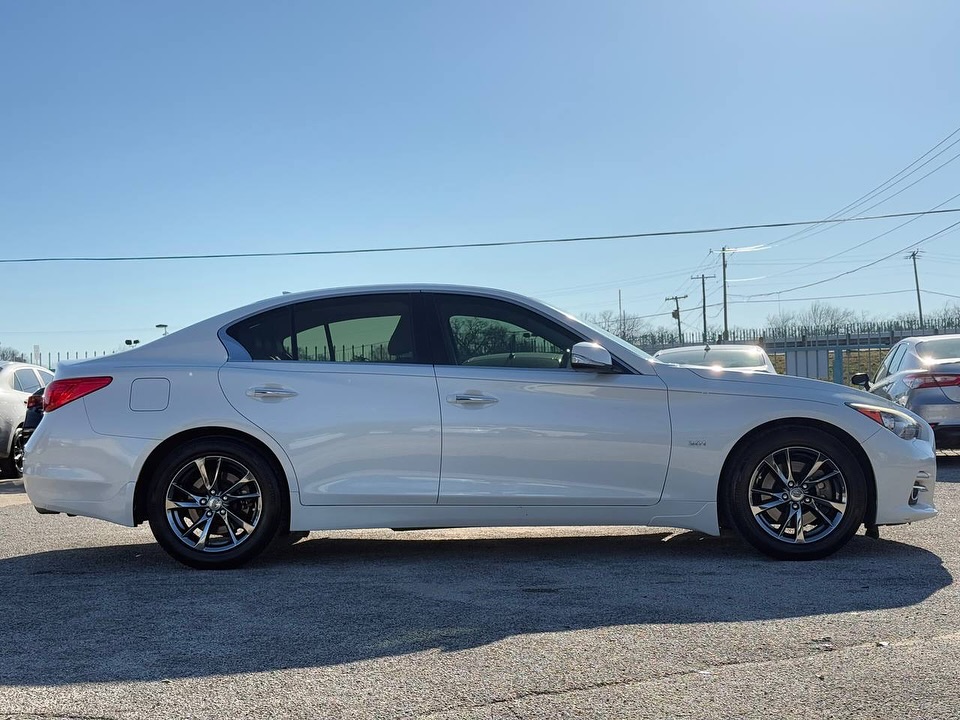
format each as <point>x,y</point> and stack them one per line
<point>931,380</point>
<point>60,392</point>
<point>34,401</point>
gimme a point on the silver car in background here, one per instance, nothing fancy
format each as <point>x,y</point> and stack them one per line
<point>923,375</point>
<point>728,357</point>
<point>17,382</point>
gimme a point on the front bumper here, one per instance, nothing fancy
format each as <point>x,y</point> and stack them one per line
<point>906,473</point>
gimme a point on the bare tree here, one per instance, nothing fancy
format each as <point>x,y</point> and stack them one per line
<point>631,328</point>
<point>825,316</point>
<point>9,353</point>
<point>781,322</point>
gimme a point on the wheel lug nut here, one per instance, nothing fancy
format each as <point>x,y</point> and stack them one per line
<point>783,497</point>
<point>223,512</point>
<point>790,484</point>
<point>806,500</point>
<point>796,505</point>
<point>209,513</point>
<point>203,501</point>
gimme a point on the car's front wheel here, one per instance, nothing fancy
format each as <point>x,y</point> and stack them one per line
<point>214,503</point>
<point>796,493</point>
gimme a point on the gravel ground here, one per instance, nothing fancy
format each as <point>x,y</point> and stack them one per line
<point>520,623</point>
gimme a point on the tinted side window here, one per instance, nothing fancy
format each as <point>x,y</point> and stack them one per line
<point>267,336</point>
<point>45,377</point>
<point>493,333</point>
<point>372,328</point>
<point>897,358</point>
<point>885,365</point>
<point>26,380</point>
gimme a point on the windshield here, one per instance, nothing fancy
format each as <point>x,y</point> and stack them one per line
<point>710,357</point>
<point>939,349</point>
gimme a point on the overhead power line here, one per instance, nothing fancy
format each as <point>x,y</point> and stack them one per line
<point>859,245</point>
<point>895,179</point>
<point>460,246</point>
<point>911,246</point>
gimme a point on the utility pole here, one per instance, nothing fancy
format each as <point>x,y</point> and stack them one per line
<point>676,314</point>
<point>703,289</point>
<point>916,279</point>
<point>726,331</point>
<point>620,303</point>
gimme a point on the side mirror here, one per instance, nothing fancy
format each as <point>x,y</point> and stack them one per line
<point>590,356</point>
<point>861,379</point>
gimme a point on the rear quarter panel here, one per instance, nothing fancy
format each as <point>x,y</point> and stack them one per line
<point>195,402</point>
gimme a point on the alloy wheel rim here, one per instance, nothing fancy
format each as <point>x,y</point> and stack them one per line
<point>213,504</point>
<point>18,452</point>
<point>798,495</point>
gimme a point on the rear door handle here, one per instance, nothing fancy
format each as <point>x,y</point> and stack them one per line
<point>471,399</point>
<point>271,393</point>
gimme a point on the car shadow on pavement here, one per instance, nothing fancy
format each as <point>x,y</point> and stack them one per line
<point>11,487</point>
<point>127,612</point>
<point>948,467</point>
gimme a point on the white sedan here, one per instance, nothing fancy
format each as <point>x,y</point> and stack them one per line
<point>749,358</point>
<point>436,406</point>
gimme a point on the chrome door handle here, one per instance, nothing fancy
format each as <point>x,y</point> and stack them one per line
<point>471,399</point>
<point>270,393</point>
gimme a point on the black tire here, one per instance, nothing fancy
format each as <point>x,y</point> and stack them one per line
<point>12,465</point>
<point>809,519</point>
<point>224,525</point>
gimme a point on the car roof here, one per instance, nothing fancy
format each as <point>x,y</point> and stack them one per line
<point>17,364</point>
<point>927,338</point>
<point>204,338</point>
<point>752,349</point>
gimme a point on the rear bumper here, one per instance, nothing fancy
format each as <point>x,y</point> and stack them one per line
<point>901,469</point>
<point>79,472</point>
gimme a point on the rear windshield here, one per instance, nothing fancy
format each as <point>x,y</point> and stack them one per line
<point>724,357</point>
<point>940,349</point>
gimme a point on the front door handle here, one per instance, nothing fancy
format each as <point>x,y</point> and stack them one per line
<point>271,393</point>
<point>472,399</point>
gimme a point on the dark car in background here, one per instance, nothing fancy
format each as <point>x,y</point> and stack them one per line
<point>34,414</point>
<point>923,375</point>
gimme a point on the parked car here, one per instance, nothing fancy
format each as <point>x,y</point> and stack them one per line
<point>923,375</point>
<point>736,357</point>
<point>364,408</point>
<point>17,381</point>
<point>34,414</point>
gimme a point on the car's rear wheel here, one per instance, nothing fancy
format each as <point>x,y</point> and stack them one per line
<point>796,493</point>
<point>214,503</point>
<point>12,465</point>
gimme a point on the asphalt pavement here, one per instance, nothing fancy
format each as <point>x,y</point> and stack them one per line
<point>519,623</point>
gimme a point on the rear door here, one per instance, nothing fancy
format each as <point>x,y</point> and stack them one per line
<point>340,384</point>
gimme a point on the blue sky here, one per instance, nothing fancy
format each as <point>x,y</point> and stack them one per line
<point>183,127</point>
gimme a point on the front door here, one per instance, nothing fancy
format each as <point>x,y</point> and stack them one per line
<point>522,428</point>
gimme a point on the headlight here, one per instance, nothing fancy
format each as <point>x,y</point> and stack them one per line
<point>899,423</point>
